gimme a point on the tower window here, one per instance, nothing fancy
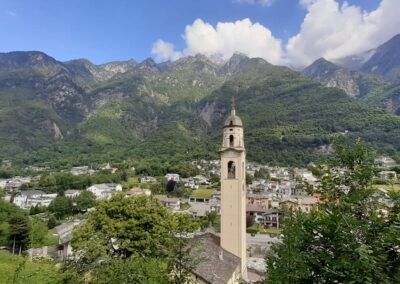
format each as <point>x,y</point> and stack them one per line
<point>231,123</point>
<point>230,140</point>
<point>231,169</point>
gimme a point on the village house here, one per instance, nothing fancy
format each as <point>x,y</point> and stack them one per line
<point>200,210</point>
<point>189,183</point>
<point>201,180</point>
<point>31,198</point>
<point>258,185</point>
<point>148,179</point>
<point>271,218</point>
<point>385,162</point>
<point>104,190</point>
<point>72,193</point>
<point>387,175</point>
<point>259,199</point>
<point>303,204</point>
<point>171,203</point>
<point>138,191</point>
<point>256,212</point>
<point>174,177</point>
<point>83,170</point>
<point>64,233</point>
<point>17,182</point>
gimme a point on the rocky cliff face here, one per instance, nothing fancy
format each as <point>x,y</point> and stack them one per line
<point>332,75</point>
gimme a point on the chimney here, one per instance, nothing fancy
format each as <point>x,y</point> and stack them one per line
<point>221,255</point>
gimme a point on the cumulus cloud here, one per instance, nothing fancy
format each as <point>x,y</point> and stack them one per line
<point>163,51</point>
<point>224,40</point>
<point>329,29</point>
<point>264,3</point>
<point>332,31</point>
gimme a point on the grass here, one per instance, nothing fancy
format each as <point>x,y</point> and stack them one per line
<point>257,228</point>
<point>185,206</point>
<point>51,238</point>
<point>18,270</point>
<point>394,187</point>
<point>202,193</point>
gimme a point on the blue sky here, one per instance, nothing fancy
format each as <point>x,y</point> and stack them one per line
<point>104,31</point>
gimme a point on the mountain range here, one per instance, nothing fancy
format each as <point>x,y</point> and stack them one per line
<point>76,112</point>
<point>372,76</point>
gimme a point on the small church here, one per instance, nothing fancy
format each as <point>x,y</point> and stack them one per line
<point>225,255</point>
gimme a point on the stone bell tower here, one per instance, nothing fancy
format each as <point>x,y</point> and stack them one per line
<point>233,188</point>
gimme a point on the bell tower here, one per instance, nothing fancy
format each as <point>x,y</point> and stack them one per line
<point>233,188</point>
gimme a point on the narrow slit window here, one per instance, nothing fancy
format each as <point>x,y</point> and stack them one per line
<point>230,140</point>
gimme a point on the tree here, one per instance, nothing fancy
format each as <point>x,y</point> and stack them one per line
<point>135,270</point>
<point>346,240</point>
<point>52,222</point>
<point>85,200</point>
<point>61,206</point>
<point>181,263</point>
<point>129,230</point>
<point>19,233</point>
<point>7,211</point>
<point>38,233</point>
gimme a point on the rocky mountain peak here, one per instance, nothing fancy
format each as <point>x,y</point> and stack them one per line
<point>321,68</point>
<point>235,63</point>
<point>33,60</point>
<point>386,60</point>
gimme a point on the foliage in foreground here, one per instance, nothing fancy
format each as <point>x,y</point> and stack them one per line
<point>132,240</point>
<point>349,239</point>
<point>19,270</point>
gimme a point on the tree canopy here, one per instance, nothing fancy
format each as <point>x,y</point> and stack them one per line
<point>348,239</point>
<point>129,232</point>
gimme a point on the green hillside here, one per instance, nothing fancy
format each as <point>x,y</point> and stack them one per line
<point>175,111</point>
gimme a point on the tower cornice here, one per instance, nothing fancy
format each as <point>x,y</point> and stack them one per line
<point>239,150</point>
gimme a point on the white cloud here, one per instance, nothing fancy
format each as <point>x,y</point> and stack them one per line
<point>333,31</point>
<point>224,40</point>
<point>264,3</point>
<point>329,30</point>
<point>163,51</point>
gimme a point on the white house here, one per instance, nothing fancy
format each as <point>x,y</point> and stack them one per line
<point>171,203</point>
<point>31,198</point>
<point>174,177</point>
<point>148,179</point>
<point>104,190</point>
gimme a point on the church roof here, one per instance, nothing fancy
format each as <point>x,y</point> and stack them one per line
<point>216,265</point>
<point>233,119</point>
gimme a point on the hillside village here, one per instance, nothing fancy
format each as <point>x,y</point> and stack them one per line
<point>271,191</point>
